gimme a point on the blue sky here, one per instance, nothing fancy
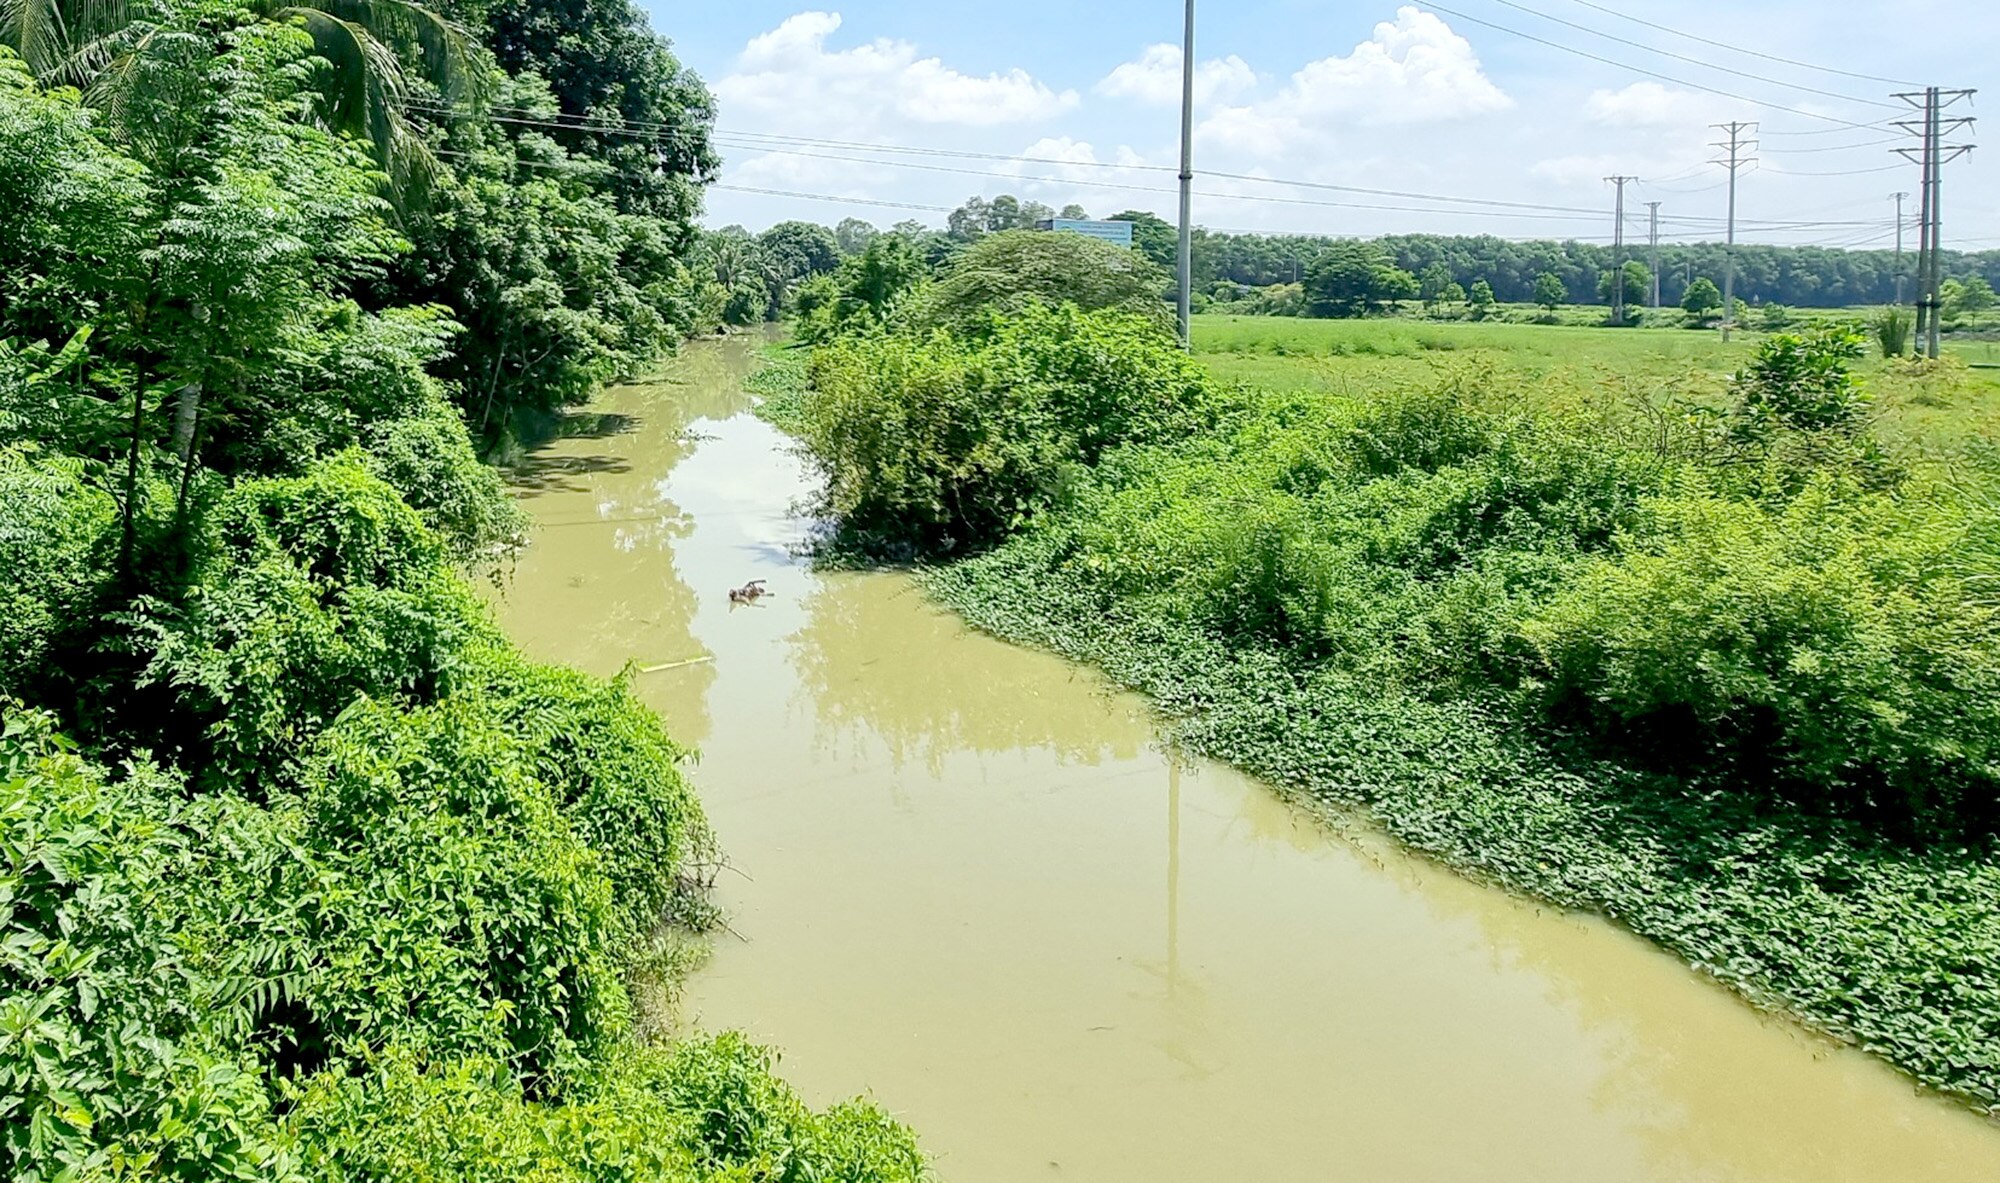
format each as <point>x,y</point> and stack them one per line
<point>1380,95</point>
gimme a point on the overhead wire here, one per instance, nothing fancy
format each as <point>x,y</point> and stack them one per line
<point>642,130</point>
<point>773,143</point>
<point>1640,45</point>
<point>1830,147</point>
<point>1848,172</point>
<point>1536,211</point>
<point>1769,57</point>
<point>1627,66</point>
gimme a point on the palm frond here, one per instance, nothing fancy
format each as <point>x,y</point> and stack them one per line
<point>33,29</point>
<point>46,33</point>
<point>444,49</point>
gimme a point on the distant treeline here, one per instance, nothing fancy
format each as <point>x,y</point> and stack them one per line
<point>761,272</point>
<point>1801,276</point>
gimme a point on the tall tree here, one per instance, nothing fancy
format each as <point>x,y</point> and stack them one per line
<point>1550,291</point>
<point>635,106</point>
<point>853,235</point>
<point>98,45</point>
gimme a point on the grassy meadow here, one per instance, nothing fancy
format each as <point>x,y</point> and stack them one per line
<point>1949,407</point>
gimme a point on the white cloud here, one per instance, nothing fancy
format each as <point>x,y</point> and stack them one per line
<point>1155,78</point>
<point>1647,104</point>
<point>789,74</point>
<point>1412,70</point>
<point>1060,169</point>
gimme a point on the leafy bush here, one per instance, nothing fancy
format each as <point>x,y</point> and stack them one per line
<point>55,538</point>
<point>502,940</point>
<point>1825,639</point>
<point>615,775</point>
<point>113,1061</point>
<point>944,441</point>
<point>206,988</point>
<point>708,1109</point>
<point>428,458</point>
<point>314,590</point>
<point>1802,382</point>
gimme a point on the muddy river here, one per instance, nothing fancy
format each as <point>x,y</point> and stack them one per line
<point>975,886</point>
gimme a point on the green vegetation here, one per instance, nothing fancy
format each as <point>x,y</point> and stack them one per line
<point>307,874</point>
<point>933,442</point>
<point>1697,635</point>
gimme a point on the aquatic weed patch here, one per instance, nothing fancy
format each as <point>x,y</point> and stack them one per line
<point>1895,949</point>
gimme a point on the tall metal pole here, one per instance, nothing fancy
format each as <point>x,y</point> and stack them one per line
<point>1186,269</point>
<point>1924,152</point>
<point>1735,146</point>
<point>1618,252</point>
<point>1937,224</point>
<point>1653,248</point>
<point>1932,155</point>
<point>1900,199</point>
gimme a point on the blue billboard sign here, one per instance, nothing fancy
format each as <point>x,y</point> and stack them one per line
<point>1118,232</point>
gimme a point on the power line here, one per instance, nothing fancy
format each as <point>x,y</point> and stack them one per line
<point>1528,210</point>
<point>1848,172</point>
<point>936,209</point>
<point>1832,148</point>
<point>1769,57</point>
<point>1830,94</point>
<point>1584,53</point>
<point>641,130</point>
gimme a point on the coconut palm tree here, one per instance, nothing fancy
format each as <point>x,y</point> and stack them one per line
<point>91,44</point>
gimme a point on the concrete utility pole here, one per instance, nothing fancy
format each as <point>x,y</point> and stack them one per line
<point>1186,269</point>
<point>1653,248</point>
<point>1900,198</point>
<point>1931,157</point>
<point>1618,252</point>
<point>1736,146</point>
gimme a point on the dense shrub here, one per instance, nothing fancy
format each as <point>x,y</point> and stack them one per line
<point>615,775</point>
<point>394,978</point>
<point>55,535</point>
<point>706,1109</point>
<point>946,440</point>
<point>1826,639</point>
<point>313,590</point>
<point>428,458</point>
<point>115,1056</point>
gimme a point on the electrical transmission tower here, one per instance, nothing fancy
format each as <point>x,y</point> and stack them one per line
<point>1931,155</point>
<point>1899,198</point>
<point>1653,248</point>
<point>1618,252</point>
<point>1737,147</point>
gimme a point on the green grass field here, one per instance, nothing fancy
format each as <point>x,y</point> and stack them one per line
<point>1943,409</point>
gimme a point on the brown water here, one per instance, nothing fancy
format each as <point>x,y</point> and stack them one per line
<point>974,887</point>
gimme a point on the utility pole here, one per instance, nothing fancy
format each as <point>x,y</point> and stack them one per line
<point>1736,146</point>
<point>1653,248</point>
<point>1931,157</point>
<point>1618,252</point>
<point>1900,199</point>
<point>1186,271</point>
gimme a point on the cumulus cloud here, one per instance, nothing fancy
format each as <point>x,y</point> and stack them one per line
<point>1154,78</point>
<point>789,73</point>
<point>1647,104</point>
<point>1413,69</point>
<point>1061,169</point>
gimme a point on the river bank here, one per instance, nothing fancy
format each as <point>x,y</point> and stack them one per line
<point>976,882</point>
